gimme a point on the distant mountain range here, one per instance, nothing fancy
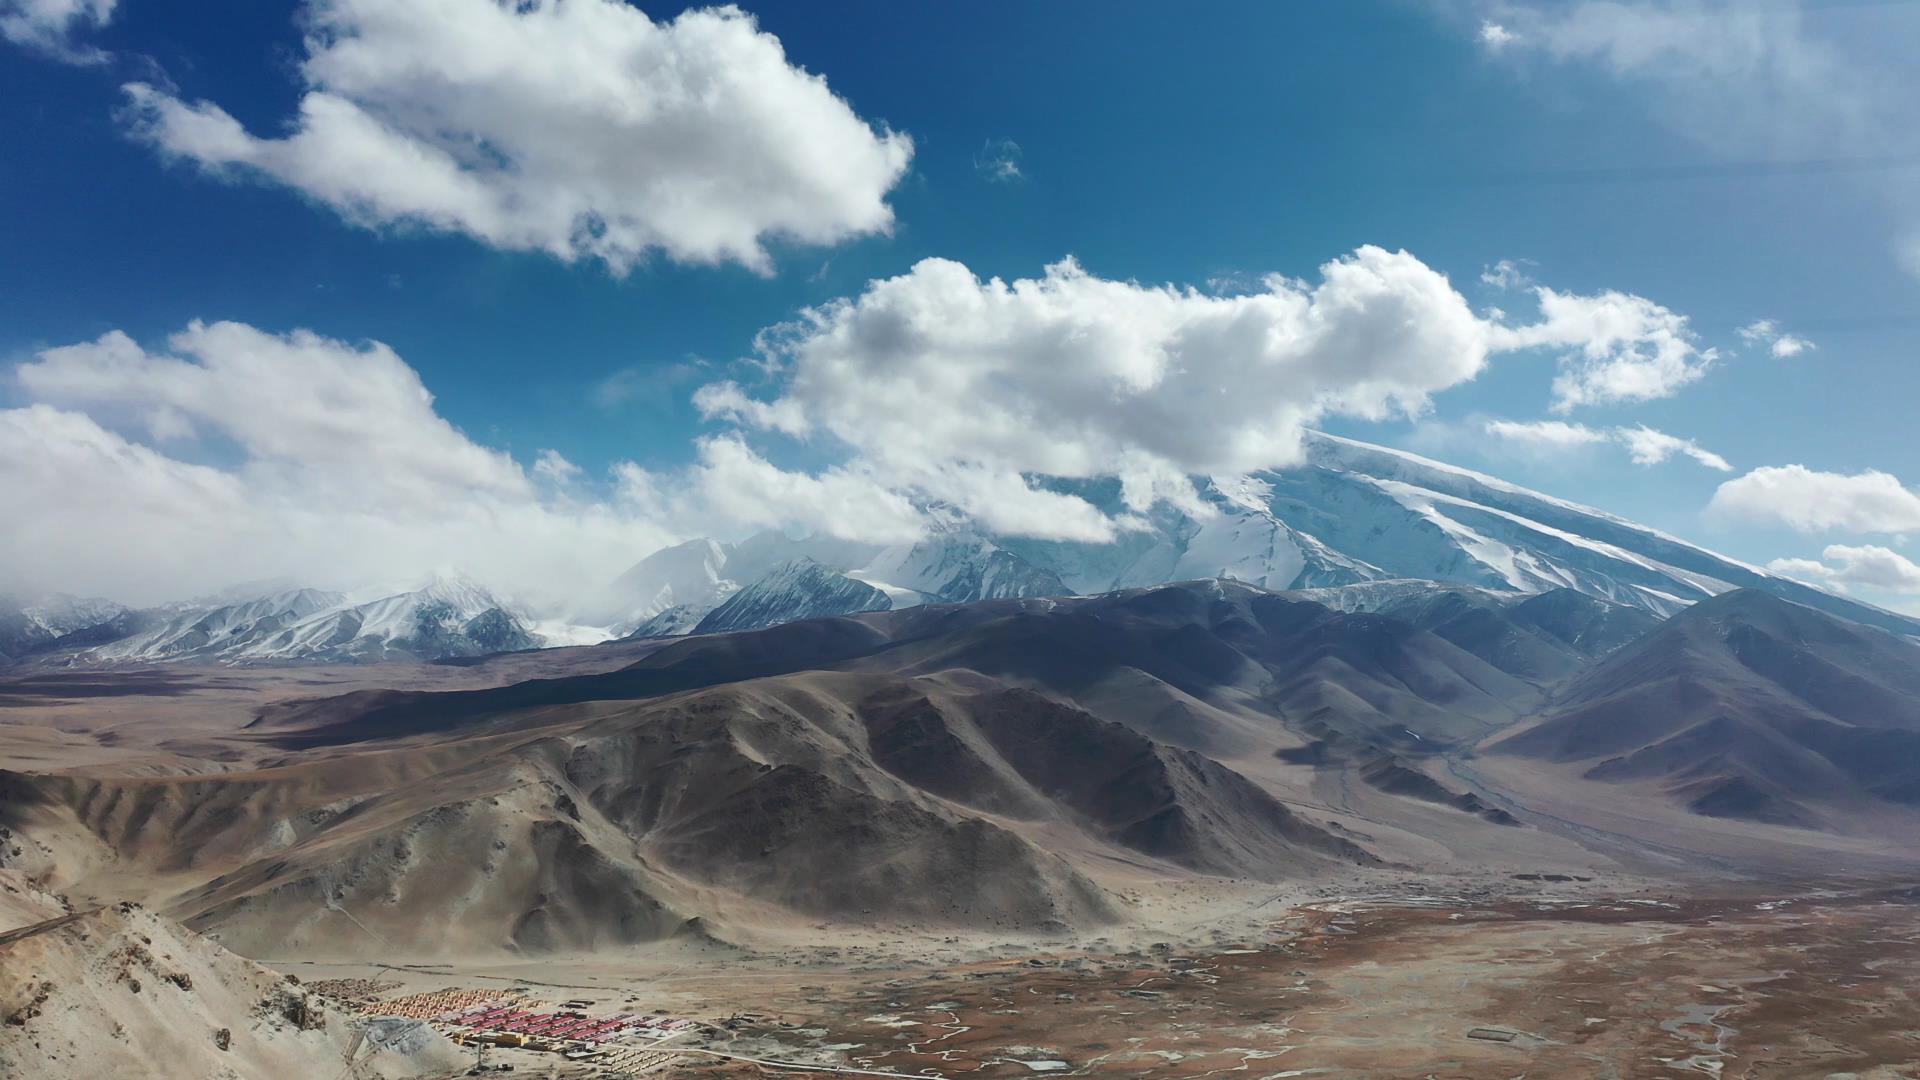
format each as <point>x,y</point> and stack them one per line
<point>1350,515</point>
<point>1019,763</point>
<point>447,616</point>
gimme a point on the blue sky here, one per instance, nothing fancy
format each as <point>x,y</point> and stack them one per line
<point>1728,164</point>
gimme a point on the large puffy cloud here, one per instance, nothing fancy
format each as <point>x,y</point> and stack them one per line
<point>332,412</point>
<point>236,454</point>
<point>89,509</point>
<point>1867,565</point>
<point>245,453</point>
<point>960,389</point>
<point>1643,444</point>
<point>578,128</point>
<point>1811,501</point>
<point>730,488</point>
<point>49,25</point>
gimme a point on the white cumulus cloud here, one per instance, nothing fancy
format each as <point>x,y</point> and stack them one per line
<point>230,452</point>
<point>1810,571</point>
<point>1867,565</point>
<point>579,128</point>
<point>1812,501</point>
<point>333,412</point>
<point>959,387</point>
<point>1616,348</point>
<point>730,487</point>
<point>962,390</point>
<point>235,454</point>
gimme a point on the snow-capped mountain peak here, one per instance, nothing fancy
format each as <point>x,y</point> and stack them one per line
<point>683,575</point>
<point>449,614</point>
<point>797,589</point>
<point>674,590</point>
<point>1349,515</point>
<point>223,631</point>
<point>60,614</point>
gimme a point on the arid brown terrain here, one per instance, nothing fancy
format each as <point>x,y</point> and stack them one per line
<point>1180,831</point>
<point>1641,988</point>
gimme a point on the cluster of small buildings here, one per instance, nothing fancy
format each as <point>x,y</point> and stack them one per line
<point>433,1005</point>
<point>508,1019</point>
<point>568,1031</point>
<point>511,1025</point>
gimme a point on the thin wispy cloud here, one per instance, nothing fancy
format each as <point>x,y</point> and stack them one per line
<point>650,385</point>
<point>55,28</point>
<point>553,467</point>
<point>1766,334</point>
<point>1644,445</point>
<point>1769,88</point>
<point>998,161</point>
<point>1505,274</point>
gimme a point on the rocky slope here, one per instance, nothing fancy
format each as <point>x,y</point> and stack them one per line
<point>1746,706</point>
<point>992,765</point>
<point>114,991</point>
<point>970,766</point>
